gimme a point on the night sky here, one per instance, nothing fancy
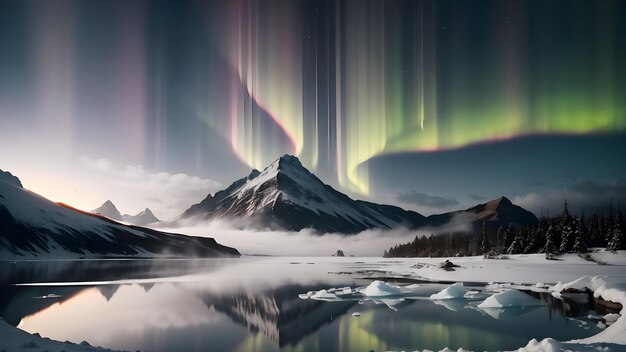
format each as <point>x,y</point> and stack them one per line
<point>431,105</point>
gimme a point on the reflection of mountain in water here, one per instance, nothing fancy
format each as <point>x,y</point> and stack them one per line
<point>279,314</point>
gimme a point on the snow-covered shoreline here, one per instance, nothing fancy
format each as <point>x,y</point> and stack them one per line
<point>14,339</point>
<point>521,271</point>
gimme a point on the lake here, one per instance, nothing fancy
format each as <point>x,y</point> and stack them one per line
<point>252,304</point>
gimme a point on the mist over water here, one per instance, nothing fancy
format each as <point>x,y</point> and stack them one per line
<point>306,242</point>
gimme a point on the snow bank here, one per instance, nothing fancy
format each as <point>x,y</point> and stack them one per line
<point>381,289</point>
<point>14,339</point>
<point>610,289</point>
<point>510,298</point>
<point>455,291</point>
<point>545,345</point>
<point>580,284</point>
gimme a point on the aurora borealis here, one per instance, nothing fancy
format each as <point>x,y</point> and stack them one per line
<point>183,86</point>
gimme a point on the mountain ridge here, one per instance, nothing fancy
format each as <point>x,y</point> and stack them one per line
<point>109,210</point>
<point>32,226</point>
<point>287,196</point>
<point>495,213</point>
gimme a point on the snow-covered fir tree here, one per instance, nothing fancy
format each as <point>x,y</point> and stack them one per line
<point>580,242</point>
<point>607,229</point>
<point>517,245</point>
<point>550,246</point>
<point>566,230</point>
<point>499,236</point>
<point>531,245</point>
<point>484,241</point>
<point>594,232</point>
<point>617,240</point>
<point>509,235</point>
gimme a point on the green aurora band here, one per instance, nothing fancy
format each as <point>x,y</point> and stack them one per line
<point>427,76</point>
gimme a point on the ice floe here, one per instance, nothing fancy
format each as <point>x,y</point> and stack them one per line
<point>510,298</point>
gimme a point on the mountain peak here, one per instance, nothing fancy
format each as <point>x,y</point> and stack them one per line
<point>284,163</point>
<point>143,218</point>
<point>10,179</point>
<point>289,159</point>
<point>109,210</point>
<point>254,173</point>
<point>503,201</point>
<point>286,195</point>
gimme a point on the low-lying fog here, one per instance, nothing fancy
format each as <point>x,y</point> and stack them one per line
<point>306,242</point>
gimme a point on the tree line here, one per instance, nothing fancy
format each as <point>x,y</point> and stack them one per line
<point>565,233</point>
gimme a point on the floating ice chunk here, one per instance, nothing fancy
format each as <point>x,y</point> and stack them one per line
<point>601,325</point>
<point>306,295</point>
<point>545,345</point>
<point>611,318</point>
<point>344,291</point>
<point>594,316</point>
<point>380,289</point>
<point>455,291</point>
<point>510,298</point>
<point>323,294</point>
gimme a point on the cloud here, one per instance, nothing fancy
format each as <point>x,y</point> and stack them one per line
<point>616,188</point>
<point>133,187</point>
<point>593,197</point>
<point>306,242</point>
<point>425,200</point>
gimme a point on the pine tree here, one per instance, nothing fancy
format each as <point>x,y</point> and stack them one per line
<point>607,232</point>
<point>484,242</point>
<point>567,232</point>
<point>617,240</point>
<point>567,236</point>
<point>580,243</point>
<point>550,246</point>
<point>594,232</point>
<point>499,235</point>
<point>517,245</point>
<point>509,235</point>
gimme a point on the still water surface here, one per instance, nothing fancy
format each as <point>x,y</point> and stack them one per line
<point>252,304</point>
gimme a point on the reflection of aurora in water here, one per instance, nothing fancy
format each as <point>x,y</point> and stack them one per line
<point>242,305</point>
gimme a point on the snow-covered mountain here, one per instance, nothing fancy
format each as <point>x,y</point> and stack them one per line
<point>285,195</point>
<point>32,226</point>
<point>109,210</point>
<point>145,217</point>
<point>495,213</point>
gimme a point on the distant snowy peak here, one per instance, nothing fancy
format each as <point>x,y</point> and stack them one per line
<point>285,195</point>
<point>109,210</point>
<point>145,217</point>
<point>7,177</point>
